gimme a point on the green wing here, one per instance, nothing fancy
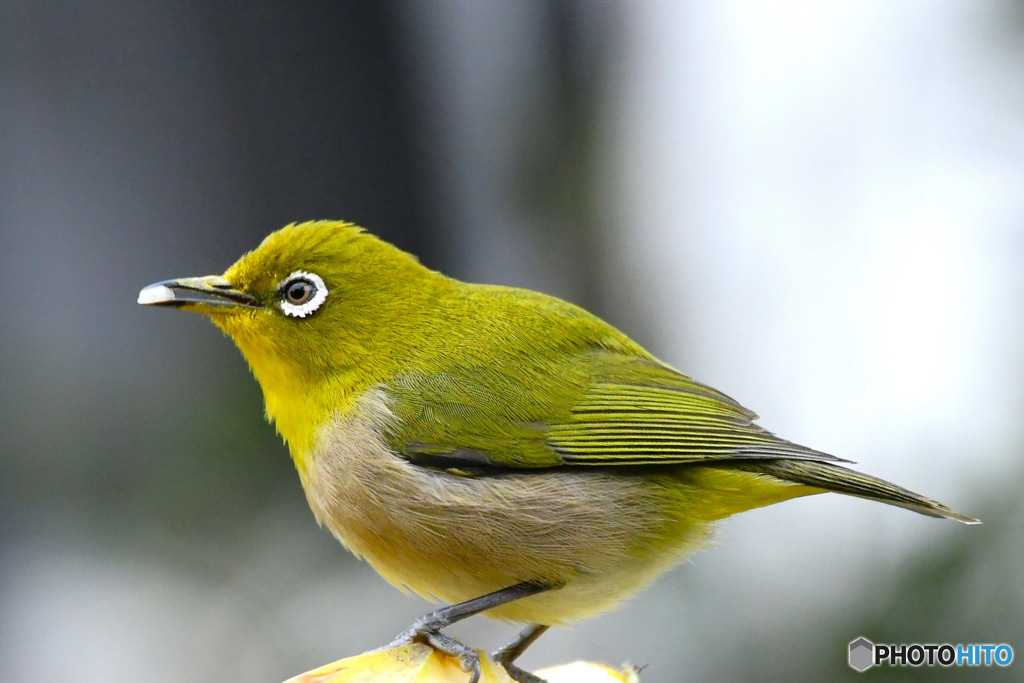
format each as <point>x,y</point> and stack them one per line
<point>637,411</point>
<point>594,407</point>
<point>606,405</point>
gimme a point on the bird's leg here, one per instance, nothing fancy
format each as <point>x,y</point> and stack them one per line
<point>511,650</point>
<point>427,628</point>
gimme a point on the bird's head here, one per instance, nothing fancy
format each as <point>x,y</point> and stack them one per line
<point>315,303</point>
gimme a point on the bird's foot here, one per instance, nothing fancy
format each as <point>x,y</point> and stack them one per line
<point>520,675</point>
<point>509,652</point>
<point>425,631</point>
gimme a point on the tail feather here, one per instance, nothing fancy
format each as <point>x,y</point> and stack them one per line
<point>839,479</point>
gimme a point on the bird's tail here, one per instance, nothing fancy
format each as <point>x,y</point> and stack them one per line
<point>829,477</point>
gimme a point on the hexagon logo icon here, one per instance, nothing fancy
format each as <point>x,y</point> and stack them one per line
<point>862,654</point>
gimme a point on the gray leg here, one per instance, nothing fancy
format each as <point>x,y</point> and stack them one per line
<point>511,650</point>
<point>428,627</point>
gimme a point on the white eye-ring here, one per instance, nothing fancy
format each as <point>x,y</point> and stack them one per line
<point>301,294</point>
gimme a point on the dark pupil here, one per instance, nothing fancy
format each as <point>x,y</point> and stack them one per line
<point>299,292</point>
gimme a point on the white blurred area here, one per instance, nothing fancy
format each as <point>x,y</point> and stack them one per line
<point>836,189</point>
<point>816,207</point>
<point>820,204</point>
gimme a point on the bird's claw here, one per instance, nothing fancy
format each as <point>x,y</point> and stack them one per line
<point>469,659</point>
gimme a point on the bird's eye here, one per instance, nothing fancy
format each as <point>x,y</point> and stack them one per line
<point>301,294</point>
<point>299,291</point>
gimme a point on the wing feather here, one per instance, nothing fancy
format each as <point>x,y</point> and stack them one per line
<point>638,411</point>
<point>601,408</point>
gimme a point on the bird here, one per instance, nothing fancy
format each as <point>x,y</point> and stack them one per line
<point>498,449</point>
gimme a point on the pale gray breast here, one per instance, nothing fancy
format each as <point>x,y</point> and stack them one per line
<point>457,537</point>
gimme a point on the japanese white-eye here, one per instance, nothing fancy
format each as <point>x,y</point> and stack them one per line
<point>492,447</point>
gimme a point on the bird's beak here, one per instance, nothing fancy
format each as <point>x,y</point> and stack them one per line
<point>210,294</point>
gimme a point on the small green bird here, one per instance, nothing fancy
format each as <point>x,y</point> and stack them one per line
<point>495,448</point>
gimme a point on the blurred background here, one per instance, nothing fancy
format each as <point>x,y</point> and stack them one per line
<point>816,207</point>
